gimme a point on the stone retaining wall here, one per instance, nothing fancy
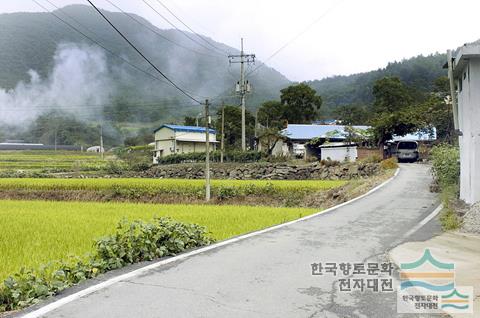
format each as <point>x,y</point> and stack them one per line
<point>269,171</point>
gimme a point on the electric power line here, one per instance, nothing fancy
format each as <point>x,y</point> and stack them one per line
<point>176,28</point>
<point>131,16</point>
<point>143,56</point>
<point>198,35</point>
<point>296,36</point>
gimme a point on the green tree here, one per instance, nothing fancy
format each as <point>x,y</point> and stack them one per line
<point>437,110</point>
<point>272,114</point>
<point>391,94</point>
<point>190,121</point>
<point>352,114</point>
<point>301,103</point>
<point>233,126</point>
<point>394,112</point>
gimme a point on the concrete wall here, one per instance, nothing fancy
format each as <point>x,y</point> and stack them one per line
<point>469,125</point>
<point>339,153</point>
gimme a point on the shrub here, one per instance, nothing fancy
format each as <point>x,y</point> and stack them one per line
<point>133,242</point>
<point>329,162</point>
<point>390,163</point>
<point>229,156</point>
<point>227,192</point>
<point>372,159</point>
<point>116,167</point>
<point>446,164</point>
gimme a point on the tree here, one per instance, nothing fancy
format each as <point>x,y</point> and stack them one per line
<point>65,129</point>
<point>391,94</point>
<point>233,127</point>
<point>301,103</point>
<point>189,121</point>
<point>437,110</point>
<point>272,114</point>
<point>352,114</point>
<point>395,114</point>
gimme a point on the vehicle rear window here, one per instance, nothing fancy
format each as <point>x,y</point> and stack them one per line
<point>407,145</point>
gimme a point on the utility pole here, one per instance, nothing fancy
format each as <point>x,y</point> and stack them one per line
<point>101,140</point>
<point>255,130</point>
<point>222,144</point>
<point>207,152</point>
<point>56,138</point>
<point>452,90</point>
<point>242,87</point>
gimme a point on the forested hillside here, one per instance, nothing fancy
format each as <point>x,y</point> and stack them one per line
<point>418,72</point>
<point>39,42</point>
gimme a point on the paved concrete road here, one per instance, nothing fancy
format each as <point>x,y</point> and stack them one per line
<point>270,275</point>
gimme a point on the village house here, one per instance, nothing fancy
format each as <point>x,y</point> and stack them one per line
<point>176,139</point>
<point>465,73</point>
<point>332,142</point>
<point>297,136</point>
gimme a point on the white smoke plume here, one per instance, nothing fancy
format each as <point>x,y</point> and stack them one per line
<point>79,83</point>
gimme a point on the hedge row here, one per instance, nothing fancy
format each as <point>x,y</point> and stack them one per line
<point>229,156</point>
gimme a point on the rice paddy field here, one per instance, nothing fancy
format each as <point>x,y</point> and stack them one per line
<point>186,186</point>
<point>36,232</point>
<point>47,159</point>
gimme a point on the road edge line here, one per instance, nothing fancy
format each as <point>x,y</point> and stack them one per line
<point>424,221</point>
<point>92,289</point>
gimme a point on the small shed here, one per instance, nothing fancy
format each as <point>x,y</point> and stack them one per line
<point>338,151</point>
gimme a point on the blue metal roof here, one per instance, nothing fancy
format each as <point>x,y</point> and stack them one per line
<point>307,132</point>
<point>193,129</point>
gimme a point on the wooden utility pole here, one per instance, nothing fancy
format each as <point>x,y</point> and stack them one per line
<point>222,143</point>
<point>56,128</point>
<point>101,140</point>
<point>453,94</point>
<point>255,130</point>
<point>207,152</point>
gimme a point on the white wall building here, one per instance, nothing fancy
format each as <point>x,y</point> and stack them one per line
<point>338,151</point>
<point>175,139</point>
<point>466,74</point>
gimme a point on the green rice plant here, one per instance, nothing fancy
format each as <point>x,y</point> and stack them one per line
<point>175,186</point>
<point>131,243</point>
<point>37,232</point>
<point>45,159</point>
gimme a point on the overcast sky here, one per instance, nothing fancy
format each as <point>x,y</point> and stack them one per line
<point>352,35</point>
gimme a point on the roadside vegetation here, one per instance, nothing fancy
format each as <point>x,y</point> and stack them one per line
<point>446,170</point>
<point>132,242</point>
<point>40,236</point>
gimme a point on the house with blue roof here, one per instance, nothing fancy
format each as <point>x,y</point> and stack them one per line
<point>177,139</point>
<point>296,137</point>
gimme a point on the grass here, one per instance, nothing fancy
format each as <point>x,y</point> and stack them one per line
<point>36,232</point>
<point>46,159</point>
<point>165,185</point>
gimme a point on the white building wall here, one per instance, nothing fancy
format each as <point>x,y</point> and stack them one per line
<point>469,125</point>
<point>339,153</point>
<point>168,142</point>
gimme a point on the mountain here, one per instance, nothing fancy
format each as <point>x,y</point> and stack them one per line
<point>418,72</point>
<point>46,64</point>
